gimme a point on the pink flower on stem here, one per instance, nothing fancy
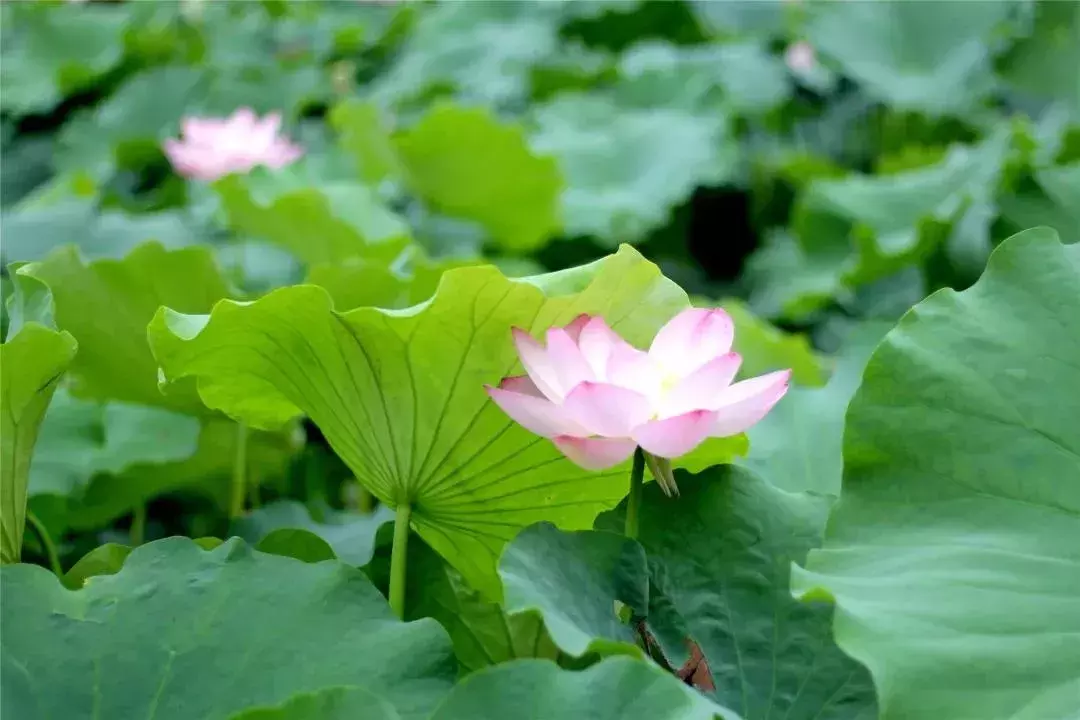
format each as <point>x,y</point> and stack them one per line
<point>212,148</point>
<point>598,398</point>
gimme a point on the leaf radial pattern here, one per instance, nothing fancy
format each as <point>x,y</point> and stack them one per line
<point>399,394</point>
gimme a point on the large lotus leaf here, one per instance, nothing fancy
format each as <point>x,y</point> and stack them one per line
<point>949,557</point>
<point>468,164</point>
<point>208,473</point>
<point>797,446</point>
<point>399,394</point>
<point>720,555</point>
<point>80,439</point>
<point>32,233</point>
<point>935,62</point>
<point>34,358</point>
<point>481,52</point>
<point>181,632</point>
<point>317,222</point>
<point>114,360</point>
<point>483,633</point>
<point>741,77</point>
<point>623,182</point>
<point>348,536</point>
<point>51,52</point>
<point>1043,64</point>
<point>618,688</point>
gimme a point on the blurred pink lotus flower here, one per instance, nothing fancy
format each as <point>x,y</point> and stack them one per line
<point>800,56</point>
<point>598,398</point>
<point>212,148</point>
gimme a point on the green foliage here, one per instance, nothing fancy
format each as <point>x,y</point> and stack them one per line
<point>34,358</point>
<point>226,619</point>
<point>615,688</point>
<point>960,484</point>
<point>399,395</point>
<point>298,355</point>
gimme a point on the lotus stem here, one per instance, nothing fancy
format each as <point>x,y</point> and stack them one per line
<point>46,541</point>
<point>633,500</point>
<point>239,475</point>
<point>398,559</point>
<point>138,525</point>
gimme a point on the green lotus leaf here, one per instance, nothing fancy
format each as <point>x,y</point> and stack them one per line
<point>48,54</point>
<point>741,77</point>
<point>482,53</point>
<point>208,472</point>
<point>358,281</point>
<point>483,632</point>
<point>34,359</point>
<point>855,230</point>
<point>114,360</point>
<point>718,568</point>
<point>399,394</point>
<point>468,164</point>
<point>948,556</point>
<point>80,439</point>
<point>348,536</point>
<point>622,183</point>
<point>182,632</point>
<point>364,134</point>
<point>340,703</point>
<point>318,222</point>
<point>1039,65</point>
<point>935,62</point>
<point>573,580</point>
<point>105,559</point>
<point>618,688</point>
<point>31,233</point>
<point>797,446</point>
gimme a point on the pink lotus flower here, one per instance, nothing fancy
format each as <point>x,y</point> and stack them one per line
<point>598,398</point>
<point>800,56</point>
<point>212,148</point>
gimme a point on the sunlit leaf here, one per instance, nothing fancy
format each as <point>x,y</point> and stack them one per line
<point>468,164</point>
<point>399,394</point>
<point>34,358</point>
<point>114,360</point>
<point>318,222</point>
